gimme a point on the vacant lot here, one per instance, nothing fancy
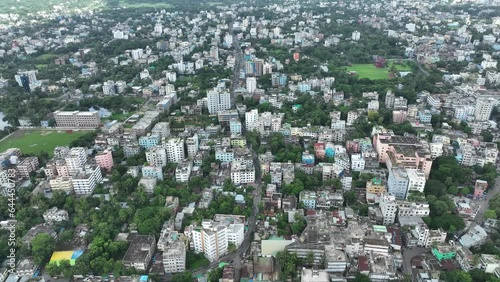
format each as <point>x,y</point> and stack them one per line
<point>371,72</point>
<point>36,141</point>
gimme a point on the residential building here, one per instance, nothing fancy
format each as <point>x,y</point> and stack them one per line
<point>148,183</point>
<point>388,206</point>
<point>25,268</point>
<point>161,129</point>
<point>152,171</point>
<point>193,145</point>
<point>357,162</point>
<point>174,257</point>
<point>63,183</point>
<point>156,156</point>
<point>183,171</point>
<point>140,251</point>
<point>483,109</point>
<point>175,150</point>
<point>251,83</point>
<point>315,275</point>
<point>252,120</point>
<point>218,101</point>
<point>235,126</point>
<point>242,173</point>
<point>104,160</point>
<point>75,159</point>
<point>210,239</point>
<point>308,199</point>
<point>149,141</point>
<point>416,181</point>
<point>489,263</point>
<point>77,119</point>
<point>85,181</point>
<point>397,183</point>
<point>479,188</point>
<point>55,214</point>
<point>27,166</point>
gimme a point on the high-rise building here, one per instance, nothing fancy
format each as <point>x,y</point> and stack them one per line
<point>104,160</point>
<point>252,120</point>
<point>389,99</point>
<point>356,35</point>
<point>416,180</point>
<point>397,183</point>
<point>214,53</point>
<point>156,156</point>
<point>251,84</point>
<point>108,88</point>
<point>76,159</point>
<point>175,150</point>
<point>218,101</point>
<point>389,208</point>
<point>258,65</point>
<point>27,79</point>
<point>235,126</point>
<point>85,181</point>
<point>484,107</point>
<point>213,238</point>
<point>193,145</point>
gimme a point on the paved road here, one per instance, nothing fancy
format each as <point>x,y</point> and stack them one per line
<point>238,63</point>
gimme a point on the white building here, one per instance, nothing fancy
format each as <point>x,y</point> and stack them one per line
<point>157,156</point>
<point>357,162</point>
<point>242,173</point>
<point>55,214</point>
<point>212,238</point>
<point>174,257</point>
<point>484,107</point>
<point>183,171</point>
<point>436,149</point>
<point>252,120</point>
<point>356,35</point>
<point>416,180</point>
<point>397,183</point>
<point>218,101</point>
<point>76,159</point>
<point>251,84</point>
<point>389,208</point>
<point>175,150</point>
<point>193,145</point>
<point>235,126</point>
<point>86,180</point>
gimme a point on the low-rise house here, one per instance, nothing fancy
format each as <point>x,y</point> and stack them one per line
<point>55,214</point>
<point>140,251</point>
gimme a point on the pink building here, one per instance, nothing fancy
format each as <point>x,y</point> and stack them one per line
<point>405,152</point>
<point>480,188</point>
<point>319,150</point>
<point>105,160</point>
<point>399,116</point>
<point>61,168</point>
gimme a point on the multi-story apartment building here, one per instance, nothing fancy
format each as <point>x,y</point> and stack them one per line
<point>156,156</point>
<point>357,162</point>
<point>242,173</point>
<point>413,209</point>
<point>149,141</point>
<point>55,214</point>
<point>183,171</point>
<point>416,181</point>
<point>213,237</point>
<point>161,129</point>
<point>85,181</point>
<point>152,171</point>
<point>308,199</point>
<point>140,251</point>
<point>483,109</point>
<point>225,155</point>
<point>235,126</point>
<point>397,183</point>
<point>75,159</point>
<point>174,257</point>
<point>389,207</point>
<point>252,120</point>
<point>193,145</point>
<point>175,150</point>
<point>104,160</point>
<point>77,119</point>
<point>27,166</point>
<point>218,101</point>
<point>63,183</point>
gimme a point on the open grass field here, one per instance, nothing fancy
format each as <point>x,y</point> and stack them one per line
<point>128,4</point>
<point>23,7</point>
<point>371,72</point>
<point>36,141</point>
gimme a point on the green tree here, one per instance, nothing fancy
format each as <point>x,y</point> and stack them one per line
<point>42,246</point>
<point>456,276</point>
<point>361,278</point>
<point>490,214</point>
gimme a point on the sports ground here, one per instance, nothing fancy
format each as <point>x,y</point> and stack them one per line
<point>36,141</point>
<point>371,72</point>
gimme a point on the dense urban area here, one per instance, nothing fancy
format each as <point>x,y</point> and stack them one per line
<point>261,140</point>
